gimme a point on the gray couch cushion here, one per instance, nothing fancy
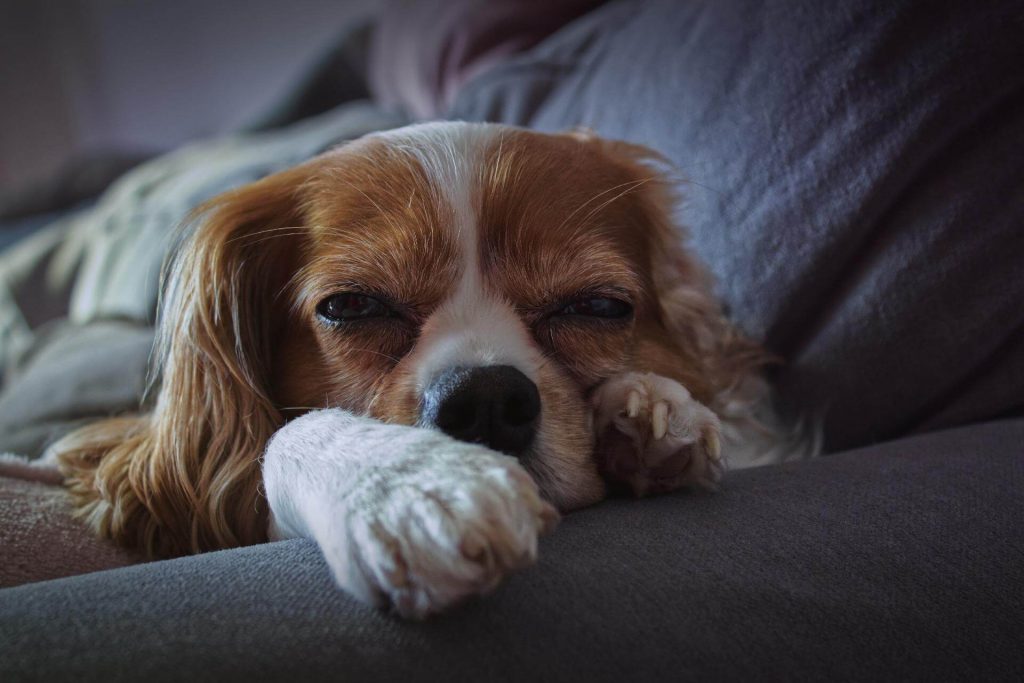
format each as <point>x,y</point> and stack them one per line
<point>856,183</point>
<point>899,561</point>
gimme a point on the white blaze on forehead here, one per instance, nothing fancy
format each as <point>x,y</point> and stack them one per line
<point>474,326</point>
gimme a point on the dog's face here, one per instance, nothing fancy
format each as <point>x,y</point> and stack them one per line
<point>478,279</point>
<point>481,280</point>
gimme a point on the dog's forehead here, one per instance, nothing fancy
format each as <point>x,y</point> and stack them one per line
<point>441,197</point>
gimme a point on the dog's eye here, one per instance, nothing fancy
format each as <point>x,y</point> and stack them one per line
<point>341,308</point>
<point>598,307</point>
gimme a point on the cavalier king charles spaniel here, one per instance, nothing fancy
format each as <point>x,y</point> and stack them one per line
<point>416,349</point>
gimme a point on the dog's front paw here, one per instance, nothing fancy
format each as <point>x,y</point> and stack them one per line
<point>422,535</point>
<point>652,436</point>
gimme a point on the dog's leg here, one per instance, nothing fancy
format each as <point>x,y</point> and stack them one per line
<point>404,516</point>
<point>652,436</point>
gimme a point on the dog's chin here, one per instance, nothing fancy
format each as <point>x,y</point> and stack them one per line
<point>565,488</point>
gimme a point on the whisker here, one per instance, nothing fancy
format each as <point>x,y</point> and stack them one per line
<point>379,353</point>
<point>633,188</point>
<point>680,179</point>
<point>296,233</point>
<point>372,402</point>
<point>596,196</point>
<point>263,232</point>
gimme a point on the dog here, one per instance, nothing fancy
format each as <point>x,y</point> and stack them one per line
<point>418,349</point>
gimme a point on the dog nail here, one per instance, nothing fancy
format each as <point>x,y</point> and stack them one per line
<point>714,444</point>
<point>659,419</point>
<point>633,403</point>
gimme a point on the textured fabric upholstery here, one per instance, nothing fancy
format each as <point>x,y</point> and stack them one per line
<point>899,561</point>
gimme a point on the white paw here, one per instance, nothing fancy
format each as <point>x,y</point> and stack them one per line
<point>652,436</point>
<point>422,534</point>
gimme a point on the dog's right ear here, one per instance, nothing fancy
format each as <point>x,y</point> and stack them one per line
<point>185,478</point>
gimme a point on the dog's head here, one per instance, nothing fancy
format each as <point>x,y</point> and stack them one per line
<point>473,278</point>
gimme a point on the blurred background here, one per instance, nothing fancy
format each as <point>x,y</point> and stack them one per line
<point>828,156</point>
<point>85,80</point>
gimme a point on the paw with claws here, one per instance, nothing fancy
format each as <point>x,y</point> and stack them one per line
<point>653,436</point>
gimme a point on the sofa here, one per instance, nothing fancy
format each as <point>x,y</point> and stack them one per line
<point>850,174</point>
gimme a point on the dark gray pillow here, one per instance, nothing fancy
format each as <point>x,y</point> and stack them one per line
<point>856,183</point>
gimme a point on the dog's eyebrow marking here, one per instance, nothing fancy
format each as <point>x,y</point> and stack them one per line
<point>380,210</point>
<point>633,185</point>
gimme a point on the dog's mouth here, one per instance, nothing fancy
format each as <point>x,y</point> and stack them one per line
<point>541,473</point>
<point>565,490</point>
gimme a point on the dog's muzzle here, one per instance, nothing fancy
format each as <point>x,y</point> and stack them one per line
<point>495,405</point>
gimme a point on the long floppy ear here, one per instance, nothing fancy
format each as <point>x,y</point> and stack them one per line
<point>721,365</point>
<point>718,364</point>
<point>186,478</point>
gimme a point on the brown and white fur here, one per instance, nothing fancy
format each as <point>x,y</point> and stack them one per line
<point>482,241</point>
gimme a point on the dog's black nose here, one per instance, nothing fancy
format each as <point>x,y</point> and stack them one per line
<point>495,405</point>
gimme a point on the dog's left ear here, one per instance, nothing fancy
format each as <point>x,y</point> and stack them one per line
<point>717,357</point>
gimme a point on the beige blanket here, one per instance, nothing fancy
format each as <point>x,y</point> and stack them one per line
<point>39,536</point>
